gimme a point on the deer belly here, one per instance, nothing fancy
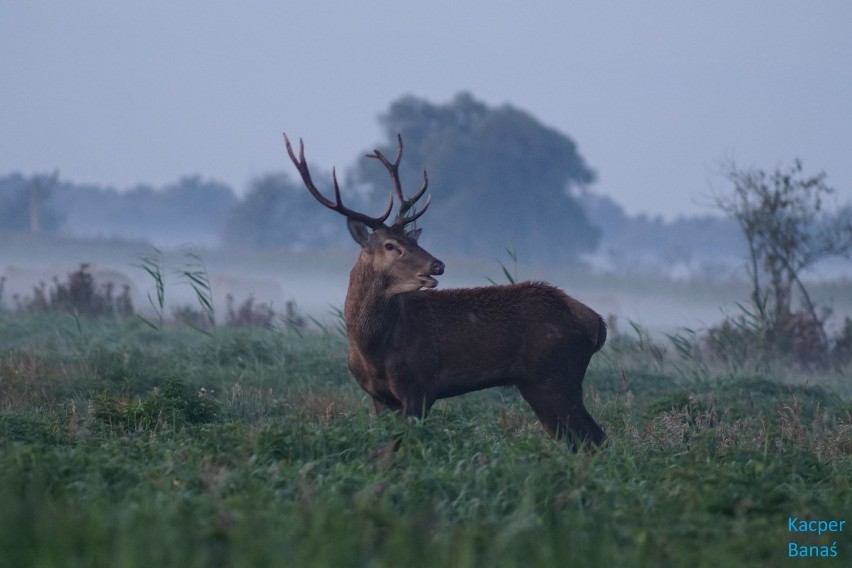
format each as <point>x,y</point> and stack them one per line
<point>453,382</point>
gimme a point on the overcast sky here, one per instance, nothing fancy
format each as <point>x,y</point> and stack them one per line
<point>656,94</point>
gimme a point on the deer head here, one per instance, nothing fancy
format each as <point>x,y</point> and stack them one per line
<point>390,251</point>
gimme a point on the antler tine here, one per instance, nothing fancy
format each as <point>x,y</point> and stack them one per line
<point>403,221</point>
<point>404,204</point>
<point>337,204</point>
<point>420,193</point>
<point>302,166</point>
<point>393,168</point>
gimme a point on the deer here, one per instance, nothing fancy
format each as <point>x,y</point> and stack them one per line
<point>410,345</point>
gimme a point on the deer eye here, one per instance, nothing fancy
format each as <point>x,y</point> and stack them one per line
<point>389,246</point>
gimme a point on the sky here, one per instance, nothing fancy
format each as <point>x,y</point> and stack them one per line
<point>658,95</point>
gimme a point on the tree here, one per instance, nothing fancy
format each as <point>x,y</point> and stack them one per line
<point>278,212</point>
<point>788,230</point>
<point>500,178</point>
<point>191,209</point>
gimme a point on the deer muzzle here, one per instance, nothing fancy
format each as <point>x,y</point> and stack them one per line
<point>436,269</point>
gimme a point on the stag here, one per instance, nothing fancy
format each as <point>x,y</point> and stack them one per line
<point>410,345</point>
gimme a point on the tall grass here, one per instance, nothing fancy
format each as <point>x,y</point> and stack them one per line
<point>510,276</point>
<point>151,264</point>
<point>194,273</point>
<point>252,446</point>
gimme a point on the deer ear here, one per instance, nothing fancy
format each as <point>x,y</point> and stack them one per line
<point>414,234</point>
<point>359,231</point>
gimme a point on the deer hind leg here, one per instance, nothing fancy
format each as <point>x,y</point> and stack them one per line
<point>581,427</point>
<point>563,414</point>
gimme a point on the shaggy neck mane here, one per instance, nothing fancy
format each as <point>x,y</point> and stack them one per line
<point>367,304</point>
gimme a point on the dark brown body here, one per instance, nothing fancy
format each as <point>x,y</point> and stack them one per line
<point>409,347</point>
<point>435,344</point>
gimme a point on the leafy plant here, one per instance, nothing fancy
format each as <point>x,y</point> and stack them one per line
<point>169,407</point>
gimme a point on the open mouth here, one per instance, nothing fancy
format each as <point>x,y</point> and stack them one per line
<point>427,281</point>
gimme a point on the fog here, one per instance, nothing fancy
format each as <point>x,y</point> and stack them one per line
<point>317,280</point>
<point>589,138</point>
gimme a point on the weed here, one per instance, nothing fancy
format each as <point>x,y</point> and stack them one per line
<point>511,277</point>
<point>339,325</point>
<point>169,407</point>
<point>249,314</point>
<point>192,317</point>
<point>843,341</point>
<point>797,338</point>
<point>79,295</point>
<point>195,274</point>
<point>151,264</point>
<point>292,319</point>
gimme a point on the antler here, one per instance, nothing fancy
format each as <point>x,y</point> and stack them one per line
<point>337,204</point>
<point>405,204</point>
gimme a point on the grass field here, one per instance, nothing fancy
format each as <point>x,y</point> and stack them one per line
<point>124,446</point>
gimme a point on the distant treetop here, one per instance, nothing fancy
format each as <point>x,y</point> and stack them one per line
<point>498,177</point>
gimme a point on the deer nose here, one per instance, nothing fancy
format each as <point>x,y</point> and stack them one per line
<point>437,268</point>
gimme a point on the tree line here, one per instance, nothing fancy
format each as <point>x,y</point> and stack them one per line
<point>500,179</point>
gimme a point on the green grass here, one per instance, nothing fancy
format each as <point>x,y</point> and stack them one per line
<point>111,454</point>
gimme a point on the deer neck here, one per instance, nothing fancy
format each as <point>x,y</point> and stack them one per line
<point>368,308</point>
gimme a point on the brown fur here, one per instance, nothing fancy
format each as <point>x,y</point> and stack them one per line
<point>409,347</point>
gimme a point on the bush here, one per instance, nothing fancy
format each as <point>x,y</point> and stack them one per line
<point>249,314</point>
<point>169,407</point>
<point>79,295</point>
<point>797,339</point>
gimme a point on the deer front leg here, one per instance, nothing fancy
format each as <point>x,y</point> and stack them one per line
<point>411,408</point>
<point>417,406</point>
<point>406,387</point>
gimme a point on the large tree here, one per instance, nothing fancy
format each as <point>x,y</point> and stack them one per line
<point>499,178</point>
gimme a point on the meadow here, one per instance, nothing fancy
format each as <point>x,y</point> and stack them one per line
<point>125,445</point>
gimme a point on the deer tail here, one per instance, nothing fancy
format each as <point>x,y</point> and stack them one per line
<point>601,335</point>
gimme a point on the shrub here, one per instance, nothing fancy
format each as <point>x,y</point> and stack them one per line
<point>80,295</point>
<point>249,314</point>
<point>797,339</point>
<point>171,406</point>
